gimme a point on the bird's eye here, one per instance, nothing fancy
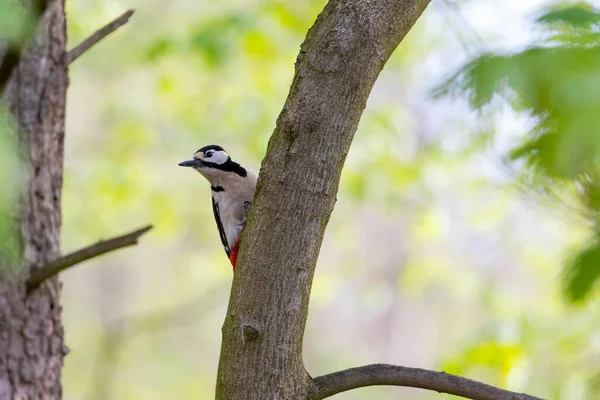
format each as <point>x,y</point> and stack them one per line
<point>208,154</point>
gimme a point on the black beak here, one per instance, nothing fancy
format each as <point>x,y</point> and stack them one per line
<point>191,163</point>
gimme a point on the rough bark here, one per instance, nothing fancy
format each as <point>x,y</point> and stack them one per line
<point>339,61</point>
<point>31,332</point>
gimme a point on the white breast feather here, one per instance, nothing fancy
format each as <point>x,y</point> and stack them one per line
<point>232,209</point>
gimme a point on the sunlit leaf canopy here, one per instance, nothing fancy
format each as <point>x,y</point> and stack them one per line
<point>432,257</point>
<point>557,83</point>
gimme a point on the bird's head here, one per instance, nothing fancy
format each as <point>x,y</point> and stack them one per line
<point>214,164</point>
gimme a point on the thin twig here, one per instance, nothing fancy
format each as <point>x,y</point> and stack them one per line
<point>40,274</point>
<point>12,55</point>
<point>99,35</point>
<point>384,374</point>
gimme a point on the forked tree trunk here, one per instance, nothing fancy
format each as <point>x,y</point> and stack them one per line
<point>339,61</point>
<point>31,332</point>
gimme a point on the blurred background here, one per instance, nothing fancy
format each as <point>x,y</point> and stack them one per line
<point>464,235</point>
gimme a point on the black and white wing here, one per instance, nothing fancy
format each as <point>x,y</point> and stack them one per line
<point>220,227</point>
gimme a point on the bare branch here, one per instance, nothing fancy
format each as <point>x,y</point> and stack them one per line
<point>99,35</point>
<point>385,374</point>
<point>12,56</point>
<point>39,275</point>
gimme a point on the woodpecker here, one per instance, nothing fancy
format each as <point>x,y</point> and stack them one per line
<point>232,188</point>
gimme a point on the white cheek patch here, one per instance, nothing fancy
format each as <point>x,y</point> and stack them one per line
<point>218,157</point>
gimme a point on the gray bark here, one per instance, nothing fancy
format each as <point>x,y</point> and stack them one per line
<point>394,375</point>
<point>31,331</point>
<point>339,61</point>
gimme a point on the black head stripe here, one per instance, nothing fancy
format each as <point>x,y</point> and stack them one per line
<point>229,165</point>
<point>217,188</point>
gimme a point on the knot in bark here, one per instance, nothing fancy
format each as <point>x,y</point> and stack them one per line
<point>249,333</point>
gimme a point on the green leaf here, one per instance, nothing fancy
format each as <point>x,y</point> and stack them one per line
<point>556,84</point>
<point>160,48</point>
<point>582,273</point>
<point>577,15</point>
<point>215,40</point>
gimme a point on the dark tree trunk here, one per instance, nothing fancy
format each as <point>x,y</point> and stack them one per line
<point>31,332</point>
<point>339,61</point>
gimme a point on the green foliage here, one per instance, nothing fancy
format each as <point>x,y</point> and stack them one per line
<point>16,26</point>
<point>16,22</point>
<point>557,84</point>
<point>215,39</point>
<point>10,177</point>
<point>574,25</point>
<point>581,15</point>
<point>559,87</point>
<point>582,273</point>
<point>497,358</point>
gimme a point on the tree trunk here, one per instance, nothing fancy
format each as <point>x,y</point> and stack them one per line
<point>31,332</point>
<point>339,61</point>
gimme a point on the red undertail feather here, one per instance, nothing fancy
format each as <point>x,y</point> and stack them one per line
<point>233,254</point>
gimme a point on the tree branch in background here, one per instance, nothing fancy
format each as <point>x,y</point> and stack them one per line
<point>12,56</point>
<point>385,374</point>
<point>39,275</point>
<point>99,35</point>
